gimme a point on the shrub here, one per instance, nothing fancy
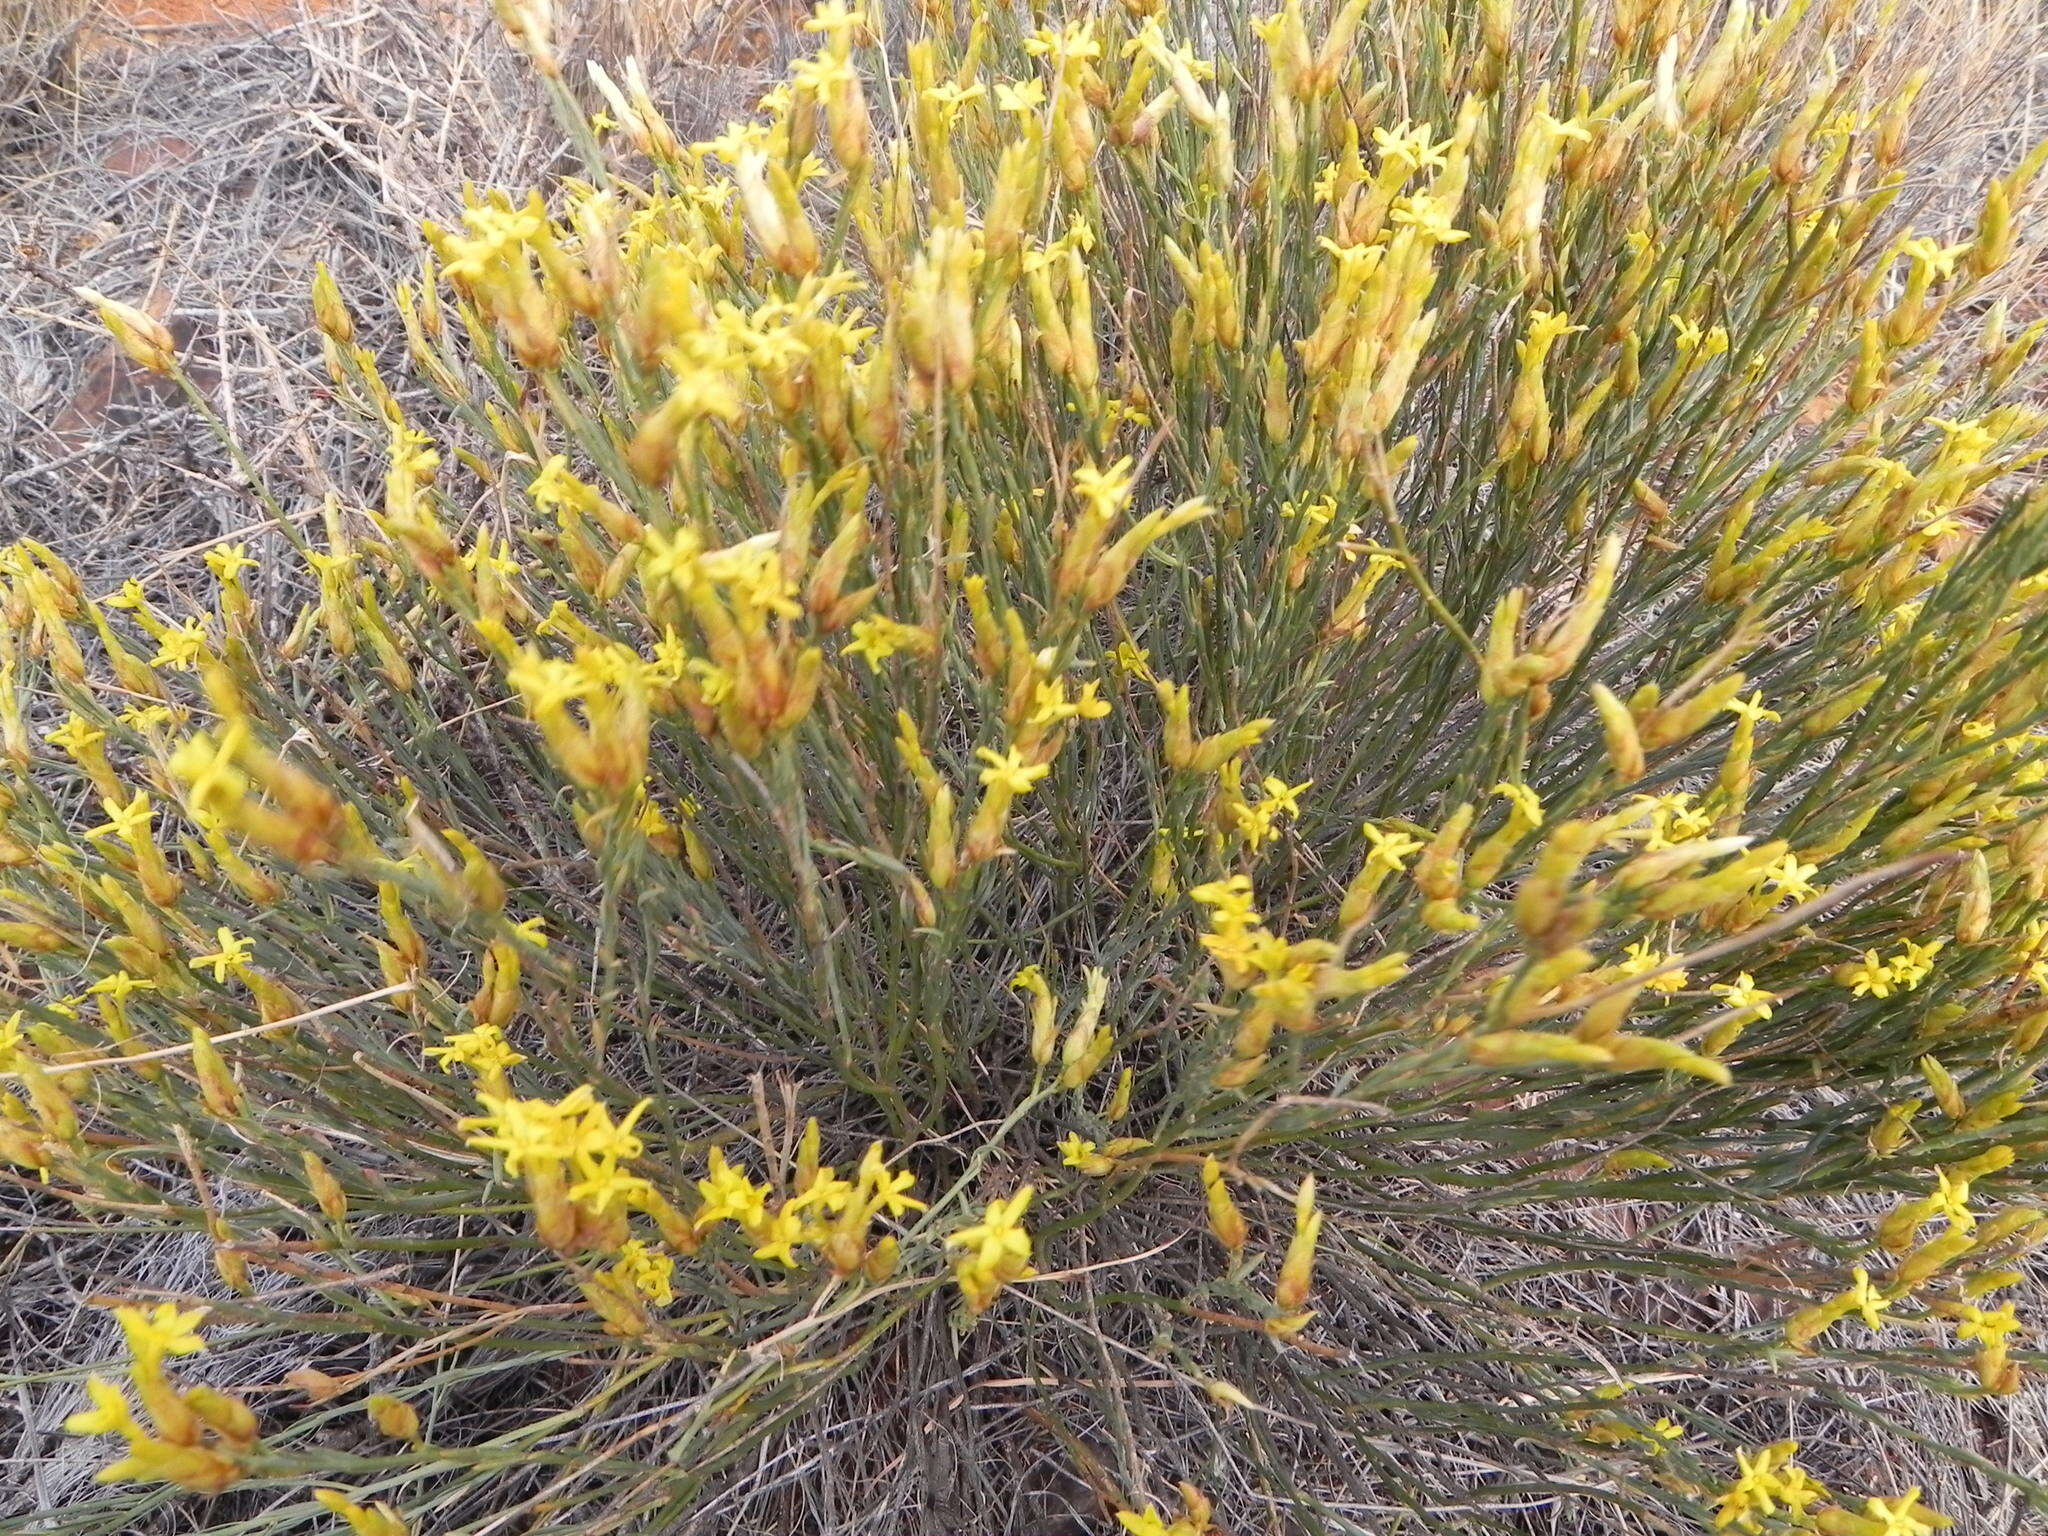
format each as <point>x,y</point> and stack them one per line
<point>1070,758</point>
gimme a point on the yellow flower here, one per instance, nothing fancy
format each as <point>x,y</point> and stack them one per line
<point>1104,492</point>
<point>1790,878</point>
<point>1429,217</point>
<point>1132,661</point>
<point>1024,97</point>
<point>232,955</point>
<point>647,1269</point>
<point>1865,1299</point>
<point>1078,1152</point>
<point>1407,148</point>
<point>529,1133</point>
<point>109,1414</point>
<point>1951,1198</point>
<point>1752,709</point>
<point>1230,901</point>
<point>778,1235</point>
<point>378,1519</point>
<point>1871,977</point>
<point>1976,1326</point>
<point>183,648</point>
<point>1522,801</point>
<point>876,639</point>
<point>1641,957</point>
<point>1390,850</point>
<point>730,1195</point>
<point>1744,993</point>
<point>119,985</point>
<point>881,1191</point>
<point>1900,1516</point>
<point>130,823</point>
<point>996,1250</point>
<point>161,1332</point>
<point>1008,772</point>
<point>1149,1522</point>
<point>837,20</point>
<point>228,561</point>
<point>144,718</point>
<point>483,1050</point>
<point>76,736</point>
<point>1914,962</point>
<point>1758,1488</point>
<point>1285,798</point>
<point>607,1185</point>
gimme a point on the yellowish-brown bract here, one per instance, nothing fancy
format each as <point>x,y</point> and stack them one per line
<point>1133,681</point>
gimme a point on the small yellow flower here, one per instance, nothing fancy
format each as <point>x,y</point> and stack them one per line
<point>1744,993</point>
<point>76,736</point>
<point>228,561</point>
<point>882,1192</point>
<point>1900,1516</point>
<point>779,1234</point>
<point>1024,97</point>
<point>1390,850</point>
<point>1951,1198</point>
<point>1865,1299</point>
<point>483,1050</point>
<point>144,718</point>
<point>161,1332</point>
<point>647,1269</point>
<point>1133,661</point>
<point>1641,956</point>
<point>1871,977</point>
<point>1104,492</point>
<point>183,648</point>
<point>876,639</point>
<point>130,823</point>
<point>996,1250</point>
<point>120,985</point>
<point>1285,798</point>
<point>1522,801</point>
<point>529,1133</point>
<point>1752,709</point>
<point>729,1195</point>
<point>1007,771</point>
<point>232,955</point>
<point>1790,878</point>
<point>378,1519</point>
<point>1078,1152</point>
<point>1976,1326</point>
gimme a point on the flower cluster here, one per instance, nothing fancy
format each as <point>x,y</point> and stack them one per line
<point>195,1437</point>
<point>1772,1492</point>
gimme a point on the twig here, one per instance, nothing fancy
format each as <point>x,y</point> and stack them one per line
<point>239,1034</point>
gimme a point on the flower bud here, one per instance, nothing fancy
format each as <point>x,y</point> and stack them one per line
<point>1226,1221</point>
<point>326,1188</point>
<point>330,313</point>
<point>142,336</point>
<point>397,1419</point>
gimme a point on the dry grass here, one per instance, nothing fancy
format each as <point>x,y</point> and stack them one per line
<point>212,172</point>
